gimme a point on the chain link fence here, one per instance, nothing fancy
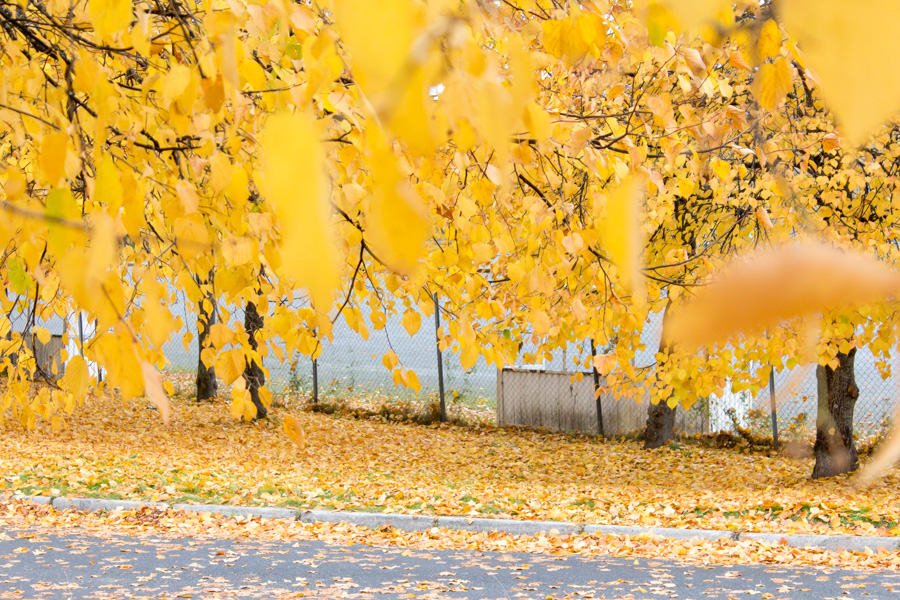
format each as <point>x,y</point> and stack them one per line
<point>349,373</point>
<point>556,393</point>
<point>796,400</point>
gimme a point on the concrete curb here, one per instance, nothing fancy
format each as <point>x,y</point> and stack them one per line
<point>413,523</point>
<point>239,511</point>
<point>99,504</point>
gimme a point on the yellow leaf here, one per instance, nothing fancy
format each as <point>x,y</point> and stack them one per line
<point>185,192</point>
<point>604,363</point>
<point>220,172</point>
<point>87,72</point>
<point>721,168</point>
<point>191,236</point>
<point>621,230</point>
<point>772,83</point>
<point>76,377</point>
<point>412,321</point>
<point>686,187</point>
<point>694,61</point>
<point>294,166</point>
<point>468,357</point>
<point>237,406</point>
<point>175,83</point>
<point>693,14</point>
<point>397,221</point>
<point>769,43</point>
<point>411,121</point>
<point>153,388</point>
<point>43,334</point>
<point>411,380</point>
<point>853,54</point>
<point>762,216</point>
<point>220,335</point>
<point>565,39</point>
<point>377,57</point>
<point>230,365</point>
<point>53,156</point>
<point>61,204</point>
<point>158,323</point>
<point>540,322</point>
<point>294,430</point>
<point>108,185</point>
<point>390,359</point>
<point>110,17</point>
<point>238,251</point>
<point>537,121</point>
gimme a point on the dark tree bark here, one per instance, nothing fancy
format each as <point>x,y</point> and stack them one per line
<point>253,373</point>
<point>207,385</point>
<point>660,425</point>
<point>835,448</point>
<point>660,418</point>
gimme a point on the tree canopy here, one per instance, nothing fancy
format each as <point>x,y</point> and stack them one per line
<point>555,171</point>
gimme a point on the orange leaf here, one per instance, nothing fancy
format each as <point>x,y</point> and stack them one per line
<point>156,393</point>
<point>791,281</point>
<point>294,430</point>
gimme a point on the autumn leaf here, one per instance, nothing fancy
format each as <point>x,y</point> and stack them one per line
<point>692,14</point>
<point>852,54</point>
<point>377,60</point>
<point>76,378</point>
<point>621,234</point>
<point>604,363</point>
<point>390,360</point>
<point>772,83</point>
<point>294,430</point>
<point>53,156</point>
<point>110,17</point>
<point>296,185</point>
<point>412,321</point>
<point>397,220</point>
<point>763,216</point>
<point>156,394</point>
<point>769,43</point>
<point>792,281</point>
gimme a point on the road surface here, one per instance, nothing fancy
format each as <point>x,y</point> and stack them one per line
<point>79,566</point>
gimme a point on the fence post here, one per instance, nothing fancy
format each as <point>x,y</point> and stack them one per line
<point>315,381</point>
<point>597,390</point>
<point>774,407</point>
<point>440,361</point>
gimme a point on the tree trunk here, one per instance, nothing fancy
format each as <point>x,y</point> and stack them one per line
<point>660,425</point>
<point>835,447</point>
<point>207,385</point>
<point>253,373</point>
<point>660,418</point>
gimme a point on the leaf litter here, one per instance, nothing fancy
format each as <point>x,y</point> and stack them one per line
<point>118,449</point>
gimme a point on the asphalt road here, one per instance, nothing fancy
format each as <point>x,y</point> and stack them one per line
<point>81,566</point>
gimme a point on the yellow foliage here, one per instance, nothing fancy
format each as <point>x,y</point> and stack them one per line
<point>296,185</point>
<point>852,54</point>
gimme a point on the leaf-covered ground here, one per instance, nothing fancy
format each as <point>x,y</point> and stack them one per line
<point>121,450</point>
